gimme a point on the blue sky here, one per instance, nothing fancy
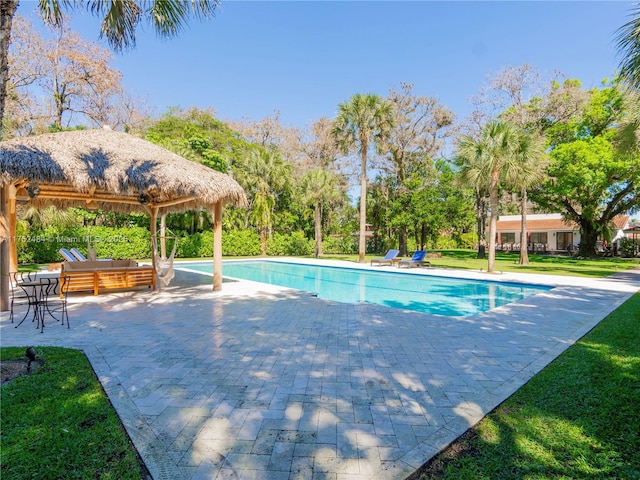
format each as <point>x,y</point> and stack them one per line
<point>303,58</point>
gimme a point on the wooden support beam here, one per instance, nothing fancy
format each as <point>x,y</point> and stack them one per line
<point>217,247</point>
<point>13,227</point>
<point>62,193</point>
<point>4,250</point>
<point>154,214</point>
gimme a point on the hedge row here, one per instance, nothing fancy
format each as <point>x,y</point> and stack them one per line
<point>120,243</point>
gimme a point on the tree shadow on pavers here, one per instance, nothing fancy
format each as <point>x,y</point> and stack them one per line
<point>280,380</point>
<point>285,381</point>
<point>575,420</point>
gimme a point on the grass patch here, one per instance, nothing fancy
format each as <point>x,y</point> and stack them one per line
<point>57,422</point>
<point>508,262</point>
<point>576,419</point>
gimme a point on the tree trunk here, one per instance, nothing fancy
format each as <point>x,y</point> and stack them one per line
<point>588,239</point>
<point>7,11</point>
<point>263,240</point>
<point>524,238</point>
<point>318,234</point>
<point>481,214</point>
<point>402,240</point>
<point>423,237</point>
<point>493,219</point>
<point>362,244</point>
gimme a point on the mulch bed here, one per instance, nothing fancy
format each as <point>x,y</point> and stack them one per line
<point>16,368</point>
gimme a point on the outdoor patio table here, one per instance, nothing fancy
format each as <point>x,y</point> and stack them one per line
<point>37,292</point>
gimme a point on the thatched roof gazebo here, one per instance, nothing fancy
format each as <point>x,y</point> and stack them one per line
<point>108,170</point>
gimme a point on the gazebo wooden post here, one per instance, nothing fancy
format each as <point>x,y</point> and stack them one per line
<point>217,246</point>
<point>13,223</point>
<point>4,250</point>
<point>153,214</point>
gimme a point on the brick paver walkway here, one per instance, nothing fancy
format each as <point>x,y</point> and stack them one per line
<point>263,383</point>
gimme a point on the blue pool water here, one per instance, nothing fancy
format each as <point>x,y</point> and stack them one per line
<point>421,293</point>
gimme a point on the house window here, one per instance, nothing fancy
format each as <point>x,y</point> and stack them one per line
<point>509,237</point>
<point>538,237</point>
<point>564,240</point>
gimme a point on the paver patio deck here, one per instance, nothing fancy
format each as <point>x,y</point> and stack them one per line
<point>261,382</point>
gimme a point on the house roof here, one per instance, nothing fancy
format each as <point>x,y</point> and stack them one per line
<point>546,224</point>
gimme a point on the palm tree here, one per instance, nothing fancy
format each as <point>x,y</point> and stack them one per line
<point>266,177</point>
<point>486,160</point>
<point>531,170</point>
<point>628,136</point>
<point>119,22</point>
<point>363,121</point>
<point>628,45</point>
<point>320,187</point>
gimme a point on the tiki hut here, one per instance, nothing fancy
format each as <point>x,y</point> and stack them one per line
<point>112,171</point>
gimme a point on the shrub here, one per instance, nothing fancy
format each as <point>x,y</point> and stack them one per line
<point>41,246</point>
<point>120,243</point>
<point>240,243</point>
<point>293,244</point>
<point>195,245</point>
<point>339,244</point>
<point>627,247</point>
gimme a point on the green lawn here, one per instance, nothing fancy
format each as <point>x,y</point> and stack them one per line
<point>577,419</point>
<point>57,422</point>
<point>508,262</point>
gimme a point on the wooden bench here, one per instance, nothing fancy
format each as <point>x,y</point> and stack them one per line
<point>106,275</point>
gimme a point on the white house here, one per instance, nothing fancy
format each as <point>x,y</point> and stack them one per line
<point>547,232</point>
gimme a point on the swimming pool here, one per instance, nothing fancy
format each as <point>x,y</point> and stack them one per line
<point>421,293</point>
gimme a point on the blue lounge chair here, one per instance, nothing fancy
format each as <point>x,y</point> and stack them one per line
<point>79,256</point>
<point>388,259</point>
<point>416,261</point>
<point>66,254</point>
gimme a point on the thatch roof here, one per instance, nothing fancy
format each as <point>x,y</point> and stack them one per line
<point>110,170</point>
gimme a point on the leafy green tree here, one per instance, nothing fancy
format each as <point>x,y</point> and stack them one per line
<point>320,187</point>
<point>590,181</point>
<point>362,122</point>
<point>489,159</point>
<point>198,135</point>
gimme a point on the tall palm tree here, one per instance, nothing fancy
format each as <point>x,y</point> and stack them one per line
<point>531,169</point>
<point>362,122</point>
<point>486,160</point>
<point>320,187</point>
<point>119,22</point>
<point>628,45</point>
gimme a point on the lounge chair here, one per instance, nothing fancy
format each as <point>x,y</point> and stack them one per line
<point>66,254</point>
<point>78,254</point>
<point>388,259</point>
<point>416,261</point>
